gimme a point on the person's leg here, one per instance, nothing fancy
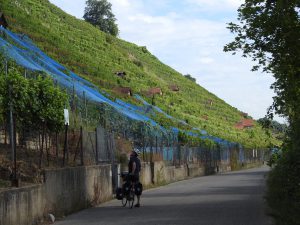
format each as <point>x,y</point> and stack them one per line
<point>137,180</point>
<point>138,201</point>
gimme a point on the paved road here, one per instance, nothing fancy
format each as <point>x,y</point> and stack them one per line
<point>234,198</point>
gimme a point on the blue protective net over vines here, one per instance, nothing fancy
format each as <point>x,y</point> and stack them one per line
<point>26,54</point>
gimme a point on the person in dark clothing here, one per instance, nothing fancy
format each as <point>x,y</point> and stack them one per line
<point>134,169</point>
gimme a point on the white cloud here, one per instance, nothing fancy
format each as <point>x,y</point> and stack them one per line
<point>206,60</point>
<point>216,4</point>
<point>123,3</point>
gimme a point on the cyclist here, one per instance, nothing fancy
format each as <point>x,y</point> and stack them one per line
<point>134,168</point>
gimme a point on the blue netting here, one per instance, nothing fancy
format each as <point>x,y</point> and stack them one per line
<point>22,50</point>
<point>26,54</point>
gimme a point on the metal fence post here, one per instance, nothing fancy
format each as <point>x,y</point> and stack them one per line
<point>12,132</point>
<point>66,153</point>
<point>97,146</point>
<point>81,147</point>
<point>151,149</point>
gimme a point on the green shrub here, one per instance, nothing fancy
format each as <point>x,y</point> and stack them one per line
<point>283,194</point>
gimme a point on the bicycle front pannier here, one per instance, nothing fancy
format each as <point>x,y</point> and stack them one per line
<point>126,188</point>
<point>119,194</point>
<point>138,188</point>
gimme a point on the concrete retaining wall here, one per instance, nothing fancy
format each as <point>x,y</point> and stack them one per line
<point>71,189</point>
<point>195,170</point>
<point>146,177</point>
<point>163,174</point>
<point>181,173</point>
<point>22,206</point>
<point>64,191</point>
<point>223,167</point>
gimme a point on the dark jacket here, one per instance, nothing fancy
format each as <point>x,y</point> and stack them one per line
<point>138,165</point>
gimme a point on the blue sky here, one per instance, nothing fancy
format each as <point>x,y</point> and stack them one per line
<point>189,36</point>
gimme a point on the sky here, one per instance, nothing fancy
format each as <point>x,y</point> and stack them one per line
<point>189,36</point>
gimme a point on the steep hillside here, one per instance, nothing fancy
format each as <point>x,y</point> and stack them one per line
<point>97,57</point>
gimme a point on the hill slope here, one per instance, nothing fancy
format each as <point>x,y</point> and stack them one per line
<point>96,56</point>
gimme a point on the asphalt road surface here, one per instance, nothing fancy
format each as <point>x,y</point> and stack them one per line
<point>234,198</point>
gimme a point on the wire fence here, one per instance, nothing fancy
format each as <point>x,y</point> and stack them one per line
<point>99,146</point>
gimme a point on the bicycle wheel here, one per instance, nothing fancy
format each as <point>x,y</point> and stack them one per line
<point>130,198</point>
<point>124,201</point>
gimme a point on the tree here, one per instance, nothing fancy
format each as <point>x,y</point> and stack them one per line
<point>273,125</point>
<point>98,13</point>
<point>188,76</point>
<point>269,33</point>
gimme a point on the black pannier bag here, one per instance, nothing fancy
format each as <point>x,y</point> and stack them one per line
<point>126,188</point>
<point>119,194</point>
<point>138,189</point>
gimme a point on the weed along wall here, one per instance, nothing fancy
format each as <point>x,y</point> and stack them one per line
<point>65,191</point>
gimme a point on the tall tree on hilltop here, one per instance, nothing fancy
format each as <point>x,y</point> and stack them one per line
<point>99,13</point>
<point>188,76</point>
<point>269,33</point>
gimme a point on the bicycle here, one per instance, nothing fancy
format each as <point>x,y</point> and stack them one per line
<point>127,195</point>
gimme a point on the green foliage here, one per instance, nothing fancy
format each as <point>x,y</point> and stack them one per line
<point>269,33</point>
<point>193,141</point>
<point>283,193</point>
<point>183,138</point>
<point>275,156</point>
<point>145,50</point>
<point>98,13</point>
<point>47,104</point>
<point>14,94</point>
<point>188,76</point>
<point>273,127</point>
<point>96,56</point>
<point>272,124</point>
<point>36,103</point>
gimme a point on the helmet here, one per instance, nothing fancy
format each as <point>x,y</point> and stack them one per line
<point>137,151</point>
